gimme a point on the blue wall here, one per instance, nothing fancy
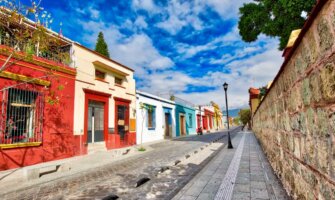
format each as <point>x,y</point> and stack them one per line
<point>190,125</point>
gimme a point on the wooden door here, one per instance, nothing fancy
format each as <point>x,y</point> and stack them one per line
<point>182,125</point>
<point>167,125</point>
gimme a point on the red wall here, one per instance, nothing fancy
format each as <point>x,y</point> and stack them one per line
<point>209,115</point>
<point>58,141</point>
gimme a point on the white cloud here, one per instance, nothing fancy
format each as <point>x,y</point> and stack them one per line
<point>136,51</point>
<point>254,71</point>
<point>140,22</point>
<point>180,14</point>
<point>139,53</point>
<point>167,81</point>
<point>226,8</point>
<point>147,5</point>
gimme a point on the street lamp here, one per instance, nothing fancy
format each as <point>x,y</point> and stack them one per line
<point>225,87</point>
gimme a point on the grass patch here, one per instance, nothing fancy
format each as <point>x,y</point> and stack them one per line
<point>141,149</point>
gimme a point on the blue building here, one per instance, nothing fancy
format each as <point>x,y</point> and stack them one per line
<point>185,120</point>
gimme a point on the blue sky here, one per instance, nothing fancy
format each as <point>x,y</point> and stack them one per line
<point>188,48</point>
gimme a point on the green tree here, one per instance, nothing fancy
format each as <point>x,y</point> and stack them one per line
<point>262,92</point>
<point>245,116</point>
<point>236,120</point>
<point>272,18</point>
<point>101,45</point>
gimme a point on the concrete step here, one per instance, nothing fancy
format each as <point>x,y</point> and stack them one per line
<point>96,147</point>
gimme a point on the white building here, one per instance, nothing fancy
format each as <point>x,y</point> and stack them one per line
<point>155,118</point>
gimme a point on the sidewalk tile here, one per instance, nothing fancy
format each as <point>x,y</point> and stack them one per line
<point>250,181</point>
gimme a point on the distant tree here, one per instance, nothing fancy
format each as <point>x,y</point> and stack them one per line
<point>101,45</point>
<point>272,18</point>
<point>236,121</point>
<point>262,92</point>
<point>245,116</point>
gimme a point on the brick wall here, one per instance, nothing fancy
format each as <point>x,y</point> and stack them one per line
<point>295,123</point>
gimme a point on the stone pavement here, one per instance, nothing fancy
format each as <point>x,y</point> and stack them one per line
<point>239,173</point>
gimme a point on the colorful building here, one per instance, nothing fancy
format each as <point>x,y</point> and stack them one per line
<point>208,118</point>
<point>37,106</point>
<point>217,116</point>
<point>185,120</point>
<point>155,118</point>
<point>200,113</point>
<point>105,102</point>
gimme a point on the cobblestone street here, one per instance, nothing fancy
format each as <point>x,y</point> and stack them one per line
<point>169,166</point>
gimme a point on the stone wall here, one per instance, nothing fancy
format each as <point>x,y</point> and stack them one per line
<point>295,123</point>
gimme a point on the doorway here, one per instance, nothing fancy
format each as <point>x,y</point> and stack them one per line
<point>167,125</point>
<point>122,121</point>
<point>95,121</point>
<point>182,125</point>
<point>122,137</point>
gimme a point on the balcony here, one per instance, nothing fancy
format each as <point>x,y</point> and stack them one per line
<point>58,52</point>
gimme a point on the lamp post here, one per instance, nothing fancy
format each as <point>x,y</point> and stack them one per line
<point>225,87</point>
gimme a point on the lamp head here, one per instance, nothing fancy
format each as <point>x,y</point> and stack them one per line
<point>225,86</point>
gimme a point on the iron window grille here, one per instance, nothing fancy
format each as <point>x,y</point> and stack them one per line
<point>21,116</point>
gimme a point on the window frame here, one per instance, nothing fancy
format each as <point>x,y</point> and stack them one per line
<point>99,72</point>
<point>190,119</point>
<point>151,110</point>
<point>21,117</point>
<point>121,81</point>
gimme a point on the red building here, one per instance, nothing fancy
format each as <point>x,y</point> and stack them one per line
<point>208,119</point>
<point>36,110</point>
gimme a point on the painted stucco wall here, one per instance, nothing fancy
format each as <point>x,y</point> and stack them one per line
<point>181,109</point>
<point>209,112</point>
<point>57,133</point>
<point>254,105</point>
<point>201,113</point>
<point>295,122</point>
<point>157,133</point>
<point>85,79</point>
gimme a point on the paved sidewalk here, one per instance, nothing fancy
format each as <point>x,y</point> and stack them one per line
<point>239,173</point>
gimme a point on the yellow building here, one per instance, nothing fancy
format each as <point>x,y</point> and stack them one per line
<point>105,101</point>
<point>253,99</point>
<point>217,116</point>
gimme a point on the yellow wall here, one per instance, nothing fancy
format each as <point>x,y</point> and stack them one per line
<point>254,105</point>
<point>83,61</point>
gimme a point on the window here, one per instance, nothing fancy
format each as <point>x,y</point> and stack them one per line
<point>100,75</point>
<point>22,116</point>
<point>118,81</point>
<point>151,121</point>
<point>190,120</point>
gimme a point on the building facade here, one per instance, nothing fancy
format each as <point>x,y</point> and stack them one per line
<point>209,118</point>
<point>185,120</point>
<point>37,107</point>
<point>105,102</point>
<point>200,113</point>
<point>155,118</point>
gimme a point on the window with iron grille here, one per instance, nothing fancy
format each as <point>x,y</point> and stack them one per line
<point>21,116</point>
